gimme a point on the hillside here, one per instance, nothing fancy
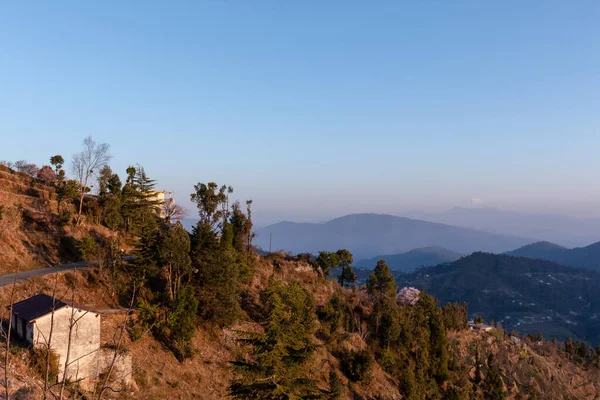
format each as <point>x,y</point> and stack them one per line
<point>204,316</point>
<point>523,294</point>
<point>528,370</point>
<point>584,257</point>
<point>31,234</point>
<point>413,259</point>
<point>367,235</point>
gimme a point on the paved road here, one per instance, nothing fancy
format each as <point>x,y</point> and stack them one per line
<point>21,276</point>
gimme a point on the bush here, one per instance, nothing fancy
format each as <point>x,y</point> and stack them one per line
<point>68,248</point>
<point>87,248</point>
<point>65,218</point>
<point>356,365</point>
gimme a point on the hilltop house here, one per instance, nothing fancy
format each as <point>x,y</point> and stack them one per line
<point>160,196</point>
<point>33,317</point>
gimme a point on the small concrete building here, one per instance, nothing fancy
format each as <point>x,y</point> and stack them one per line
<point>480,327</point>
<point>33,318</point>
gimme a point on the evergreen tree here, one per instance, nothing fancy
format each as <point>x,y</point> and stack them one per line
<point>181,322</point>
<point>493,387</point>
<point>173,248</point>
<point>381,282</point>
<point>347,276</point>
<point>138,202</point>
<point>276,366</point>
<point>57,162</point>
<point>327,261</point>
<point>569,347</point>
<point>218,277</point>
<point>212,202</point>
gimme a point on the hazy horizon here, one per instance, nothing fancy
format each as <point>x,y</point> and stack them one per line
<point>374,109</point>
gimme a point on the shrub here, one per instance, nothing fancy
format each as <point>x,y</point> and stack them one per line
<point>68,248</point>
<point>87,248</point>
<point>356,365</point>
<point>65,218</point>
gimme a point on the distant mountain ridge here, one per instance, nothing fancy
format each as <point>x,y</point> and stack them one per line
<point>413,259</point>
<point>526,294</point>
<point>368,235</point>
<point>562,229</point>
<point>584,257</point>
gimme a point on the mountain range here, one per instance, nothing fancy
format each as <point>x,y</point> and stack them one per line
<point>565,230</point>
<point>413,259</point>
<point>368,235</point>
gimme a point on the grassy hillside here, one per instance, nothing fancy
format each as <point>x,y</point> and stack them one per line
<point>31,232</point>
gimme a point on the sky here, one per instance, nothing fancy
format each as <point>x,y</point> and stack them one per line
<point>316,109</point>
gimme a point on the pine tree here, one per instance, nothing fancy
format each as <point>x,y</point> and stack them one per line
<point>275,369</point>
<point>327,261</point>
<point>218,276</point>
<point>381,282</point>
<point>493,387</point>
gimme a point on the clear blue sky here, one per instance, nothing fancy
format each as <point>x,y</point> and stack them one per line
<point>315,109</point>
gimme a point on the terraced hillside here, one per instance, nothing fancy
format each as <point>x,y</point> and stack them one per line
<point>31,235</point>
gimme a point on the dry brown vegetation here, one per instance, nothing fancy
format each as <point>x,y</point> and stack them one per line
<point>30,232</point>
<point>529,370</point>
<point>30,237</point>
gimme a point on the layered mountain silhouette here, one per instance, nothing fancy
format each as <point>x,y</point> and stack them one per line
<point>565,230</point>
<point>584,257</point>
<point>413,259</point>
<point>367,235</point>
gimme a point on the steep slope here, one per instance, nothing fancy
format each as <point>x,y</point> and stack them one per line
<point>525,294</point>
<point>413,259</point>
<point>584,257</point>
<point>367,235</point>
<point>528,370</point>
<point>31,234</point>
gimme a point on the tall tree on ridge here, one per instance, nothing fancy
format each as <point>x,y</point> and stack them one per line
<point>86,163</point>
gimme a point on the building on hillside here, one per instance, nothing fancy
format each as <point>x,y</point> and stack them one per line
<point>480,327</point>
<point>162,197</point>
<point>32,319</point>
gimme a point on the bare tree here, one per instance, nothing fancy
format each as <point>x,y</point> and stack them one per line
<point>118,339</point>
<point>26,167</point>
<point>48,340</point>
<point>172,211</point>
<point>72,325</point>
<point>7,336</point>
<point>87,163</point>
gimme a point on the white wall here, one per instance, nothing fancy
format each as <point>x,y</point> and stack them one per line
<point>85,340</point>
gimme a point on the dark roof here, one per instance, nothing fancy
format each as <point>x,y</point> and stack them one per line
<point>36,306</point>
